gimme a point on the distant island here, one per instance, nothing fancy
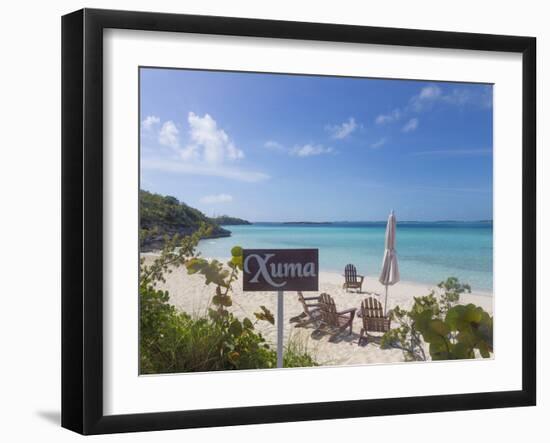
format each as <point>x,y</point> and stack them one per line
<point>161,216</point>
<point>406,222</point>
<point>306,223</point>
<point>226,220</point>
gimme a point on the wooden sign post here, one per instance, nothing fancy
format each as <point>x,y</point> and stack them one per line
<point>280,270</point>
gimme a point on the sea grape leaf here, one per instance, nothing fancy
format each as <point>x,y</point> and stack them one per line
<point>473,314</point>
<point>462,351</point>
<point>235,328</point>
<point>439,327</point>
<point>196,265</point>
<point>265,314</point>
<point>222,300</point>
<point>236,251</point>
<point>438,350</point>
<point>484,350</point>
<point>237,261</point>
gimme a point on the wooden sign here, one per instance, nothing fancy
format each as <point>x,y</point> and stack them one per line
<point>280,269</point>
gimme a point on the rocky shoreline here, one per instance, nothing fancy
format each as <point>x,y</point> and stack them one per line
<point>156,243</point>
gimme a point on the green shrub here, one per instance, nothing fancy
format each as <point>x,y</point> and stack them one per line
<point>296,354</point>
<point>173,341</point>
<point>464,329</point>
<point>452,331</point>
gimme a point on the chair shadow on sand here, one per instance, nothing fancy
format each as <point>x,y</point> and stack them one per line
<point>345,337</point>
<point>335,336</point>
<point>320,313</point>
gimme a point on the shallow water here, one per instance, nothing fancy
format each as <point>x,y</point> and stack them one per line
<point>427,252</point>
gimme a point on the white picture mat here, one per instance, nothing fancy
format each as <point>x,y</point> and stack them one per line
<point>126,392</point>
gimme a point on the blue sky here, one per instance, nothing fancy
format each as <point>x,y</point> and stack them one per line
<point>272,147</point>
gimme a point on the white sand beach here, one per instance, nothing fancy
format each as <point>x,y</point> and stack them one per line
<point>189,293</point>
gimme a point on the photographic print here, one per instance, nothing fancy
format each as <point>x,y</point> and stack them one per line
<point>250,204</point>
<point>384,185</point>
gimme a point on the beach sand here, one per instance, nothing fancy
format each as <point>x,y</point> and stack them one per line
<point>189,293</point>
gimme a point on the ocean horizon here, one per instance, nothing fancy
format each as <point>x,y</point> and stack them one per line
<point>428,252</point>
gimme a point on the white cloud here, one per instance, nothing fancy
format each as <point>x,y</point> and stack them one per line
<point>344,130</point>
<point>411,125</point>
<point>430,95</point>
<point>276,146</point>
<point>201,168</point>
<point>463,97</point>
<point>208,151</point>
<point>379,143</point>
<point>427,96</point>
<point>310,150</point>
<point>207,141</point>
<point>388,118</point>
<point>429,92</point>
<point>169,135</point>
<point>307,150</point>
<point>190,152</point>
<point>215,199</point>
<point>150,121</point>
<point>459,96</point>
<point>211,140</point>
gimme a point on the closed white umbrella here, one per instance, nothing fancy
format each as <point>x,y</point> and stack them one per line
<point>390,269</point>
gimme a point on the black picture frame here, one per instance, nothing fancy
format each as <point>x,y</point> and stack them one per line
<point>82,218</point>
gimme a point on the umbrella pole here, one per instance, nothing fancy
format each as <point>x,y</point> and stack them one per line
<point>386,301</point>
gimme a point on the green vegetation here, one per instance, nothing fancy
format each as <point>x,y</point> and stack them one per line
<point>452,331</point>
<point>173,341</point>
<point>296,353</point>
<point>228,221</point>
<point>162,217</point>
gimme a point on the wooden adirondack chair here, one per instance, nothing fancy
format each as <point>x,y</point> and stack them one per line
<point>311,313</point>
<point>352,279</point>
<point>373,318</point>
<point>333,319</point>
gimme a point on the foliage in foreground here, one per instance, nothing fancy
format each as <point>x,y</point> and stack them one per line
<point>452,331</point>
<point>173,341</point>
<point>296,353</point>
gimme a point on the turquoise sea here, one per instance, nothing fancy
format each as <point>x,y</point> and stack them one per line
<point>427,252</point>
